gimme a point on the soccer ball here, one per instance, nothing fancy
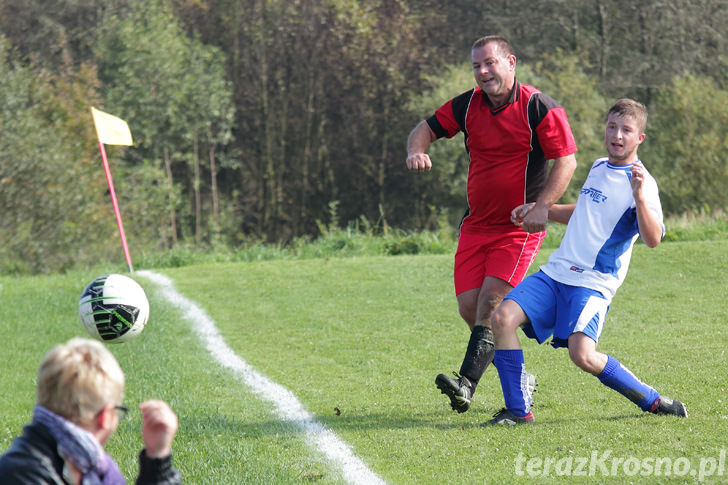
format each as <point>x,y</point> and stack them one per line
<point>113,308</point>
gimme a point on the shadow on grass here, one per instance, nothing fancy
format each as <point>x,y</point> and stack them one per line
<point>436,420</point>
<point>593,419</point>
<point>223,424</point>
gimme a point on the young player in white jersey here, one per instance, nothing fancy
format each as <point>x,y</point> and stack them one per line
<point>569,297</point>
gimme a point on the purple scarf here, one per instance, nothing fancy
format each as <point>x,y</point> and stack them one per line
<point>81,449</point>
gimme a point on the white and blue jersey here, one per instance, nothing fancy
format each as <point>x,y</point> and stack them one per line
<point>597,247</point>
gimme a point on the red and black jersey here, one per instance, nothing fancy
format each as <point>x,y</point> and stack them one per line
<point>509,149</point>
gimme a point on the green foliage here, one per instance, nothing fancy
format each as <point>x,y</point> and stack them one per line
<point>697,227</point>
<point>249,117</point>
<point>52,189</point>
<point>361,239</point>
<point>144,200</point>
<point>686,145</point>
<point>173,92</point>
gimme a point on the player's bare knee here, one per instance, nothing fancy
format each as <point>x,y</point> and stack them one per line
<point>502,322</point>
<point>580,361</point>
<point>586,361</point>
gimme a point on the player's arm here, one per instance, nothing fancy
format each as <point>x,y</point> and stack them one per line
<point>557,213</point>
<point>563,168</point>
<point>649,225</point>
<point>418,142</point>
<point>561,212</point>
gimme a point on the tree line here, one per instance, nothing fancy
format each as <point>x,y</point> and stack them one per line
<point>259,120</point>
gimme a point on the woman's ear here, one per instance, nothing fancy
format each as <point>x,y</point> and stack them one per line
<point>105,418</point>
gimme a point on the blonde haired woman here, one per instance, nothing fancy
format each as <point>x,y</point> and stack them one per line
<point>79,404</point>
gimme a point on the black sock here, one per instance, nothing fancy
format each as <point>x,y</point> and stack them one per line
<point>479,354</point>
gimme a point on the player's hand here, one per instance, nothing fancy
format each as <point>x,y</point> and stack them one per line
<point>520,212</point>
<point>535,219</point>
<point>637,179</point>
<point>419,162</point>
<point>159,427</point>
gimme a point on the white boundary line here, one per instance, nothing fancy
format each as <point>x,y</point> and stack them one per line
<point>286,404</point>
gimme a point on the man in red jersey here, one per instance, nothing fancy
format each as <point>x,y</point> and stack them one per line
<point>511,131</point>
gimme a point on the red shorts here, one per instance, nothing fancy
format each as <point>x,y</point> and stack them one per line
<point>506,255</point>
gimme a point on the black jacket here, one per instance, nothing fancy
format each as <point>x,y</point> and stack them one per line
<point>33,458</point>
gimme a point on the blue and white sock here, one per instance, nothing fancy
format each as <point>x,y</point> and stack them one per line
<point>621,379</point>
<point>512,372</point>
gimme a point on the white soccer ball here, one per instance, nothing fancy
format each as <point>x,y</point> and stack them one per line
<point>113,308</point>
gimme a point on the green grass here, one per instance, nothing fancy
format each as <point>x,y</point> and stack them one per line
<point>359,341</point>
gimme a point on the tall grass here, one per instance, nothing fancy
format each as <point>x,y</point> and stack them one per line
<point>362,239</point>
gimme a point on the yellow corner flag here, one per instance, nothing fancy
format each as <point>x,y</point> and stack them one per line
<point>110,129</point>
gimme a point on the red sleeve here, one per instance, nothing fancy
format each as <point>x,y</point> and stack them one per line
<point>554,134</point>
<point>449,119</point>
<point>446,119</point>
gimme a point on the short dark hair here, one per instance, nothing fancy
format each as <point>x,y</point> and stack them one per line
<point>630,107</point>
<point>504,47</point>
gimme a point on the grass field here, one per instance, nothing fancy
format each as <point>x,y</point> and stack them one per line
<point>359,341</point>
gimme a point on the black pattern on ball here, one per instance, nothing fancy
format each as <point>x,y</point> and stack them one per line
<point>113,321</point>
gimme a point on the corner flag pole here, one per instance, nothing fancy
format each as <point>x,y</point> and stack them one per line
<point>117,213</point>
<point>113,131</point>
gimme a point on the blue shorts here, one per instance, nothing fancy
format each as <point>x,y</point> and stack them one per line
<point>557,309</point>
